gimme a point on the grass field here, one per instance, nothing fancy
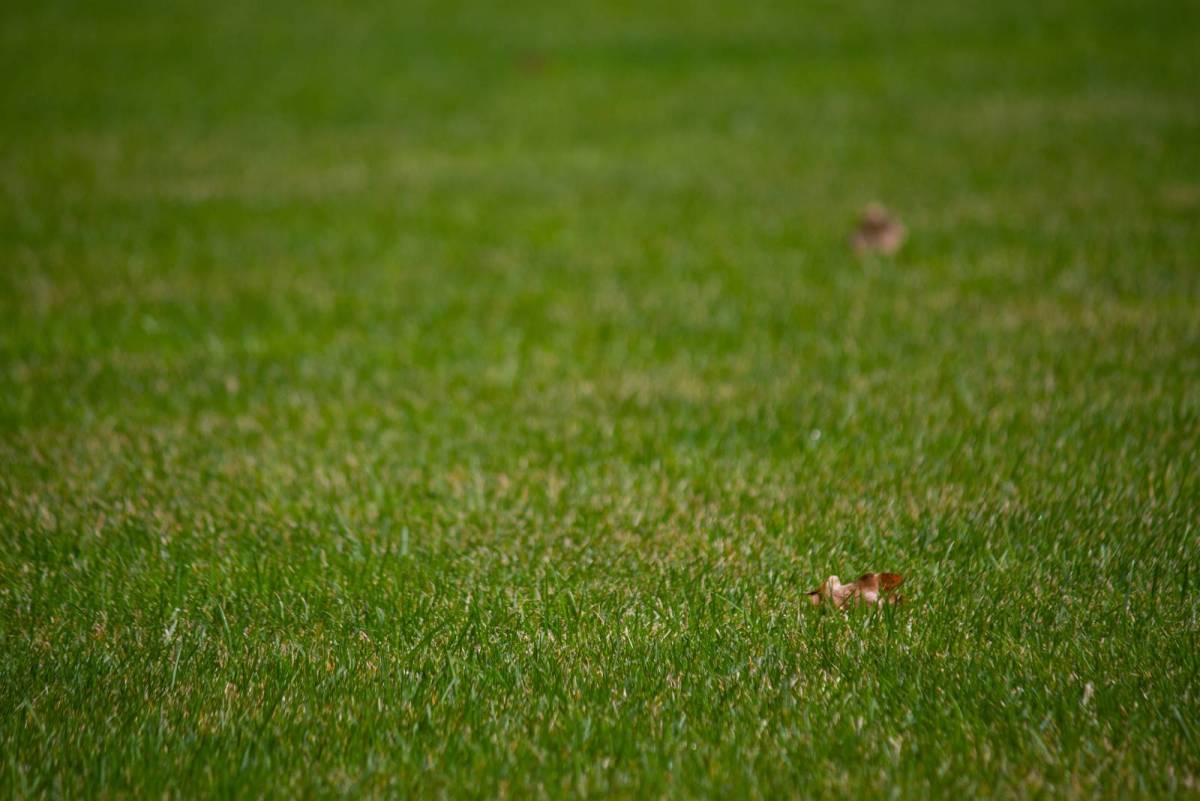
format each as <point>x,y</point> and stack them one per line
<point>457,401</point>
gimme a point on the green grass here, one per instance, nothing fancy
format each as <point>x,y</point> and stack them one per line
<point>458,400</point>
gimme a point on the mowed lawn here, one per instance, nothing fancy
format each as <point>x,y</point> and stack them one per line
<point>457,400</point>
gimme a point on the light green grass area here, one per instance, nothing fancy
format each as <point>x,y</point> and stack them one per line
<point>457,401</point>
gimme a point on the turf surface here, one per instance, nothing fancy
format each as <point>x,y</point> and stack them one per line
<point>450,400</point>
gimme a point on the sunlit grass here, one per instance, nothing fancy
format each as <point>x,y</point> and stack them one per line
<point>433,401</point>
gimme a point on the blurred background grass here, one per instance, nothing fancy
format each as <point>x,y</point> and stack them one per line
<point>450,398</point>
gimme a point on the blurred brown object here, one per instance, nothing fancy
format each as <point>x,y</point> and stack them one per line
<point>869,588</point>
<point>533,62</point>
<point>877,232</point>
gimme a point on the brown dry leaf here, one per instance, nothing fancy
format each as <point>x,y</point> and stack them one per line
<point>877,232</point>
<point>869,588</point>
<point>533,62</point>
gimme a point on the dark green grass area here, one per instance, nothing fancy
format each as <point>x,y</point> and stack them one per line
<point>450,400</point>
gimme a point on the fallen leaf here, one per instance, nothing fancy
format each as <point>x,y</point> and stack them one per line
<point>533,62</point>
<point>877,232</point>
<point>869,588</point>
